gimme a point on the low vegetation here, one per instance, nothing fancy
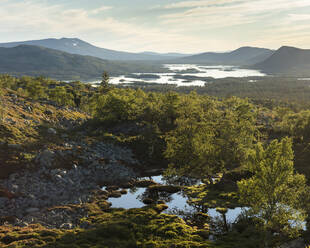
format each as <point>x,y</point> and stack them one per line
<point>240,150</point>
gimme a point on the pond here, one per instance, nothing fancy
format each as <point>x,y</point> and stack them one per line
<point>175,202</point>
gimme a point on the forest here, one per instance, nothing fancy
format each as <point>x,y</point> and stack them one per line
<point>248,148</point>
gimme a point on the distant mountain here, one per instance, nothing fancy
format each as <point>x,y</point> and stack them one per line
<point>35,61</point>
<point>169,55</point>
<point>77,46</point>
<point>241,56</point>
<point>287,61</point>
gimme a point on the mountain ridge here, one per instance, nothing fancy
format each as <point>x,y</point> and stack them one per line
<point>242,56</point>
<point>80,47</point>
<point>41,61</point>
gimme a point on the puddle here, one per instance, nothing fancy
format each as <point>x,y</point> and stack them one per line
<point>177,201</point>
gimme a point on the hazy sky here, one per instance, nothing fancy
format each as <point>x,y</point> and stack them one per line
<point>160,25</point>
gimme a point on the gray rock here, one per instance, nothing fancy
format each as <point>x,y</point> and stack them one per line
<point>66,226</point>
<point>22,224</point>
<point>45,158</point>
<point>15,187</point>
<point>3,201</point>
<point>85,225</point>
<point>48,112</point>
<point>51,131</point>
<point>15,146</point>
<point>32,210</point>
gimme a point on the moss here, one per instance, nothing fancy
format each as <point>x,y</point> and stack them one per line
<point>137,228</point>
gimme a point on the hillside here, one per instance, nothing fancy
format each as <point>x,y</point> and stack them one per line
<point>287,61</point>
<point>35,61</point>
<point>241,56</point>
<point>77,46</point>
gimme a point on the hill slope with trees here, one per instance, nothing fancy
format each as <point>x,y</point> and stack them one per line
<point>36,61</point>
<point>290,61</point>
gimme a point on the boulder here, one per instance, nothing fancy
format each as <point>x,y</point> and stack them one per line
<point>112,188</point>
<point>45,158</point>
<point>123,191</point>
<point>15,146</point>
<point>115,194</point>
<point>144,183</point>
<point>66,226</point>
<point>48,112</point>
<point>32,210</point>
<point>51,131</point>
<point>148,201</point>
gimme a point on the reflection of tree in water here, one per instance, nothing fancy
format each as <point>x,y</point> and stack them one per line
<point>133,190</point>
<point>181,181</point>
<point>192,217</point>
<point>155,196</point>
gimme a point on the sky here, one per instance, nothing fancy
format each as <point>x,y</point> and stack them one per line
<point>187,26</point>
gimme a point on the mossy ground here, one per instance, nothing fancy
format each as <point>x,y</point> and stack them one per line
<point>143,227</point>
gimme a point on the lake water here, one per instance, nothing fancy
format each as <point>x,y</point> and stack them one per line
<point>187,75</point>
<point>174,202</point>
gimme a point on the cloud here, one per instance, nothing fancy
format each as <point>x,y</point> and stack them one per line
<point>201,3</point>
<point>184,26</point>
<point>213,14</point>
<point>257,5</point>
<point>39,20</point>
<point>299,17</point>
<point>101,9</point>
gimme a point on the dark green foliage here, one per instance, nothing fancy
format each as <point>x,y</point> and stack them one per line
<point>211,136</point>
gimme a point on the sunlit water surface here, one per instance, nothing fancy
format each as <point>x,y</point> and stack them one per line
<point>202,74</point>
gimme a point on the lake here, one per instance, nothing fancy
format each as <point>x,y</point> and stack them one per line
<point>187,75</point>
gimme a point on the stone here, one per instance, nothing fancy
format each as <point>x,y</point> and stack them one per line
<point>51,131</point>
<point>22,224</point>
<point>115,194</point>
<point>3,201</point>
<point>85,225</point>
<point>123,191</point>
<point>112,188</point>
<point>14,187</point>
<point>144,183</point>
<point>15,146</point>
<point>32,210</point>
<point>45,158</point>
<point>66,226</point>
<point>48,112</point>
<point>148,201</point>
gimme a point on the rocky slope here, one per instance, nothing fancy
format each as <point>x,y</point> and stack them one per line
<point>49,161</point>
